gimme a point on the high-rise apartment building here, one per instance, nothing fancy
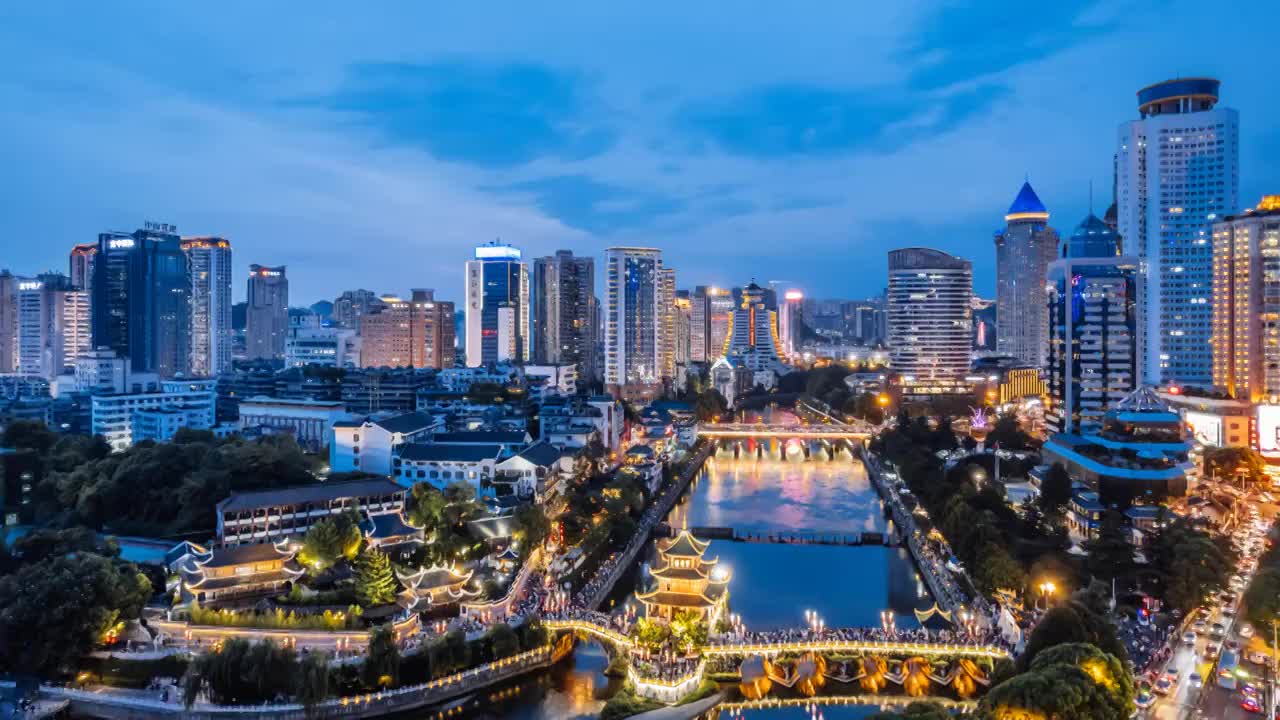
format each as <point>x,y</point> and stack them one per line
<point>8,322</point>
<point>1177,172</point>
<point>683,315</point>
<point>791,323</point>
<point>1024,250</point>
<point>52,325</point>
<point>267,313</point>
<point>141,298</point>
<point>81,265</point>
<point>564,309</point>
<point>209,266</point>
<point>710,311</point>
<point>1094,329</point>
<point>352,305</point>
<point>635,321</point>
<point>498,320</point>
<point>928,314</point>
<point>417,332</point>
<point>667,321</point>
<point>1246,303</point>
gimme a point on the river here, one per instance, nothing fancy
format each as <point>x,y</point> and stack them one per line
<point>772,585</point>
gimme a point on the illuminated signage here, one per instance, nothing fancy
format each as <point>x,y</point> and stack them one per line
<point>794,295</point>
<point>1269,430</point>
<point>1206,428</point>
<point>269,273</point>
<point>497,252</point>
<point>30,285</point>
<point>159,227</point>
<point>120,243</point>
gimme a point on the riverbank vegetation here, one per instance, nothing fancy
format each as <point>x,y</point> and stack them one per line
<point>278,619</point>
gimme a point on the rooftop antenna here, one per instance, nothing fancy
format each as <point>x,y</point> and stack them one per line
<point>1090,196</point>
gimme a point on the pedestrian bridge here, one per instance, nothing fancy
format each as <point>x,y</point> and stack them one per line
<point>857,430</point>
<point>828,645</point>
<point>857,646</point>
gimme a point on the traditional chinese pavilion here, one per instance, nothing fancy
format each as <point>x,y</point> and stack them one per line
<point>686,580</point>
<point>438,585</point>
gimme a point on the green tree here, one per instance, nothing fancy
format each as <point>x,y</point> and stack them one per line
<point>337,537</point>
<point>28,435</point>
<point>1189,564</point>
<point>374,581</point>
<point>533,527</point>
<point>1229,464</point>
<point>1069,682</point>
<point>1262,598</point>
<point>54,611</point>
<point>1009,434</point>
<point>915,711</point>
<point>688,630</point>
<point>504,641</point>
<point>1055,491</point>
<point>650,633</point>
<point>1073,621</point>
<point>1111,553</point>
<point>381,666</point>
<point>997,570</point>
<point>241,673</point>
<point>312,686</point>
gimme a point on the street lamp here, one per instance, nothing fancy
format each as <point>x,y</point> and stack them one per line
<point>1047,589</point>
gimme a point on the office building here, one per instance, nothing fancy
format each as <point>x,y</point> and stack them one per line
<point>1246,303</point>
<point>267,314</point>
<point>335,347</point>
<point>140,301</point>
<point>310,422</point>
<point>498,320</point>
<point>635,321</point>
<point>564,311</point>
<point>753,334</point>
<point>1024,250</point>
<point>1094,329</point>
<point>1177,172</point>
<point>52,325</point>
<point>209,266</point>
<point>352,305</point>
<point>125,418</point>
<point>929,319</point>
<point>81,266</point>
<point>791,324</point>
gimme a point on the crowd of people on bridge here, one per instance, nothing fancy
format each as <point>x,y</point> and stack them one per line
<point>980,637</point>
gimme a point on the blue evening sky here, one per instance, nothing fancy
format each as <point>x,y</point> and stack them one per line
<point>374,144</point>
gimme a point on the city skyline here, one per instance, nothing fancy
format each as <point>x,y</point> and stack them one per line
<point>297,158</point>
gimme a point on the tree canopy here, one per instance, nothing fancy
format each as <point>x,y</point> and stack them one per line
<point>244,673</point>
<point>1074,681</point>
<point>56,609</point>
<point>337,537</point>
<point>375,584</point>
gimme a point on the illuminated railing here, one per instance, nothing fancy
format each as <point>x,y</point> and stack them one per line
<point>667,690</point>
<point>747,430</point>
<point>871,646</point>
<point>864,699</point>
<point>591,628</point>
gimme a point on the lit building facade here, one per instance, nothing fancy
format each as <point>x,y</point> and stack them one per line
<point>667,320</point>
<point>140,302</point>
<point>683,316</point>
<point>417,332</point>
<point>564,311</point>
<point>1024,250</point>
<point>209,266</point>
<point>8,322</point>
<point>1094,329</point>
<point>753,334</point>
<point>710,310</point>
<point>929,320</point>
<point>498,319</point>
<point>1177,172</point>
<point>791,323</point>
<point>81,266</point>
<point>336,347</point>
<point>126,418</point>
<point>52,325</point>
<point>267,313</point>
<point>352,305</point>
<point>635,322</point>
<point>1246,303</point>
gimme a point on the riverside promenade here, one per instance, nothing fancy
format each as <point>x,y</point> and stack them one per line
<point>593,594</point>
<point>932,563</point>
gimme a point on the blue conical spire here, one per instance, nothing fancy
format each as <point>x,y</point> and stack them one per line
<point>1027,205</point>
